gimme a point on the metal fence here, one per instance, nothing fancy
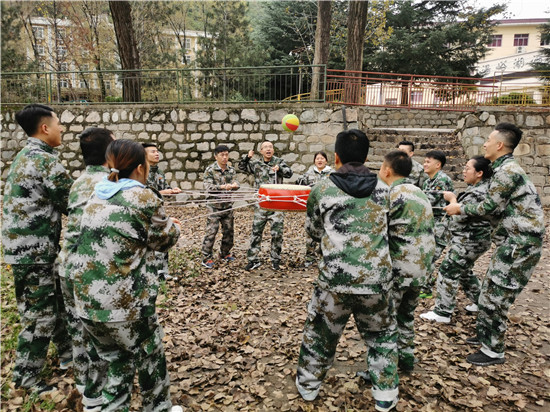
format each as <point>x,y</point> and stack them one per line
<point>226,85</point>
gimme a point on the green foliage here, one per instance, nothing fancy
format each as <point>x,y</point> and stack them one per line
<point>544,64</point>
<point>514,98</point>
<point>113,99</point>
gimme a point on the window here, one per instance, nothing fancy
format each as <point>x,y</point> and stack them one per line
<point>545,41</point>
<point>85,67</point>
<point>82,84</point>
<point>40,50</point>
<point>38,32</point>
<point>496,41</point>
<point>61,50</point>
<point>60,34</point>
<point>391,102</point>
<point>42,66</point>
<point>521,39</point>
<point>107,85</point>
<point>63,67</point>
<point>63,83</point>
<point>187,44</point>
<point>416,96</point>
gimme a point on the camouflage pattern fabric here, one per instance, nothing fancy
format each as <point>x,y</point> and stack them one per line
<point>42,319</point>
<point>511,197</point>
<point>156,179</point>
<point>112,283</point>
<point>214,177</point>
<point>470,237</point>
<point>35,197</point>
<point>127,347</point>
<point>328,314</point>
<point>263,174</point>
<point>412,245</point>
<point>81,191</point>
<point>417,176</point>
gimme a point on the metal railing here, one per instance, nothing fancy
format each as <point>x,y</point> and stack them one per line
<point>226,85</point>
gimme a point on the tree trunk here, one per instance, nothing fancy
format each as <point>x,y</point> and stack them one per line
<point>121,12</point>
<point>357,21</point>
<point>322,46</point>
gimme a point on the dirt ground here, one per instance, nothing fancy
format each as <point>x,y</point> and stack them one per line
<point>233,337</point>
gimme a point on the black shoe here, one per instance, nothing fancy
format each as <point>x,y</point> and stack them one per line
<point>480,359</point>
<point>474,341</point>
<point>365,375</point>
<point>41,389</point>
<point>275,265</point>
<point>252,266</point>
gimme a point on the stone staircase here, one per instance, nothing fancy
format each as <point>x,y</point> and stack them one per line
<point>383,140</point>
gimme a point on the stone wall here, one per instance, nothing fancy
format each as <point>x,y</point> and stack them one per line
<point>187,135</point>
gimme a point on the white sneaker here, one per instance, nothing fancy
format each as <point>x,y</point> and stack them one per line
<point>307,394</point>
<point>176,409</point>
<point>431,315</point>
<point>472,308</point>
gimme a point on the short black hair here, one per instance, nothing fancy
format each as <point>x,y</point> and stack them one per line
<point>320,153</point>
<point>146,145</point>
<point>93,143</point>
<point>510,134</point>
<point>399,162</point>
<point>220,149</point>
<point>437,155</point>
<point>481,164</point>
<point>30,117</point>
<point>352,146</point>
<point>406,143</point>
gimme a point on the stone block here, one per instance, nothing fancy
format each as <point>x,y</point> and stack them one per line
<point>168,127</point>
<point>238,136</point>
<point>522,149</point>
<point>182,114</point>
<point>234,117</point>
<point>77,128</point>
<point>175,164</point>
<point>169,146</point>
<point>138,127</point>
<point>173,116</point>
<point>93,117</point>
<point>534,121</point>
<point>276,116</point>
<point>203,146</point>
<point>124,127</point>
<point>192,165</point>
<point>203,127</point>
<point>163,137</point>
<point>216,127</point>
<point>153,127</point>
<point>246,147</point>
<point>123,115</point>
<point>249,115</point>
<point>219,115</point>
<point>199,116</point>
<point>66,117</point>
<point>237,127</point>
<point>543,149</point>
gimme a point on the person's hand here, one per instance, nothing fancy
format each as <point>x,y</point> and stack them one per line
<point>275,168</point>
<point>250,154</point>
<point>449,196</point>
<point>176,190</point>
<point>176,221</point>
<point>234,185</point>
<point>452,209</point>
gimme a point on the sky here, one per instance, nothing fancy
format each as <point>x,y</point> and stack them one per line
<point>519,9</point>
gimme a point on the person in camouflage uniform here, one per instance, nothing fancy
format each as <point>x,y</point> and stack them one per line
<point>412,245</point>
<point>434,187</point>
<point>35,197</point>
<point>115,290</point>
<point>513,200</point>
<point>318,171</point>
<point>347,214</point>
<point>470,237</point>
<point>219,179</point>
<point>88,369</point>
<point>270,169</point>
<point>417,176</point>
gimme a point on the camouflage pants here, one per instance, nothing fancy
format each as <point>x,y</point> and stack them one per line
<point>441,239</point>
<point>90,372</point>
<point>127,347</point>
<point>42,318</point>
<point>313,251</point>
<point>215,219</point>
<point>261,217</point>
<point>328,314</point>
<point>511,267</point>
<point>405,300</point>
<point>455,270</point>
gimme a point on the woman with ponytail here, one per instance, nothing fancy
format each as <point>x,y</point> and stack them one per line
<point>115,288</point>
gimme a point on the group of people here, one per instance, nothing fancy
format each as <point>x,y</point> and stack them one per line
<point>375,239</point>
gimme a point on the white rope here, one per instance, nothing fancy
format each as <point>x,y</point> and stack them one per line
<point>216,213</point>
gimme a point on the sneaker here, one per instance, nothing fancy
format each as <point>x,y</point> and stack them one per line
<point>431,315</point>
<point>208,263</point>
<point>308,264</point>
<point>66,364</point>
<point>41,389</point>
<point>365,375</point>
<point>425,294</point>
<point>473,341</point>
<point>92,408</point>
<point>472,308</point>
<point>227,258</point>
<point>275,265</point>
<point>406,365</point>
<point>385,406</point>
<point>480,359</point>
<point>252,266</point>
<point>176,408</point>
<point>307,394</point>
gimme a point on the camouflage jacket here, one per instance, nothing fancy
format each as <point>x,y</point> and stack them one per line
<point>112,277</point>
<point>156,179</point>
<point>433,188</point>
<point>472,229</point>
<point>418,176</point>
<point>313,176</point>
<point>35,197</point>
<point>262,171</point>
<point>411,238</point>
<point>81,191</point>
<point>513,199</point>
<point>347,214</point>
<point>214,177</point>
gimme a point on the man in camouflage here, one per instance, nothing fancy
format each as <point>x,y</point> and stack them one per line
<point>417,176</point>
<point>35,197</point>
<point>88,369</point>
<point>513,199</point>
<point>470,237</point>
<point>347,214</point>
<point>115,290</point>
<point>412,245</point>
<point>437,183</point>
<point>219,179</point>
<point>269,169</point>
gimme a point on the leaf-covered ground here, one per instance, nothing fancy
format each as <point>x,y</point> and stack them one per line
<point>232,340</point>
